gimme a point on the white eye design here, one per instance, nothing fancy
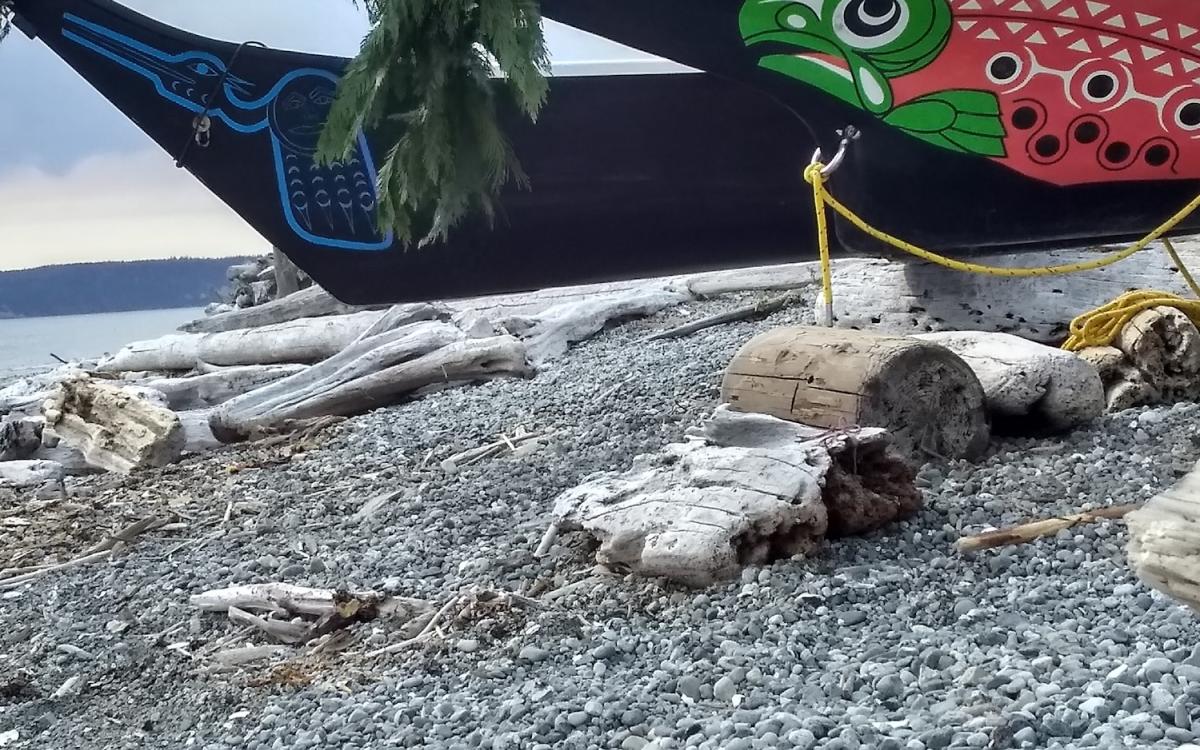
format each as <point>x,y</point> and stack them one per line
<point>870,24</point>
<point>1005,68</point>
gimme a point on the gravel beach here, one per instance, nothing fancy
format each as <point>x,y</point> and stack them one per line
<point>894,640</point>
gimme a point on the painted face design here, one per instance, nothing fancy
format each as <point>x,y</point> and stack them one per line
<point>1066,91</point>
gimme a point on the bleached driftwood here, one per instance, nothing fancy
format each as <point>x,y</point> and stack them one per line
<point>303,600</point>
<point>29,473</point>
<point>24,397</point>
<point>300,341</point>
<point>743,490</point>
<point>197,432</point>
<point>374,371</point>
<point>1049,387</point>
<point>923,394</point>
<point>216,387</point>
<point>549,333</point>
<point>71,459</point>
<point>116,429</point>
<point>1155,359</point>
<point>20,437</point>
<point>908,296</point>
<point>1164,540</point>
<point>312,302</point>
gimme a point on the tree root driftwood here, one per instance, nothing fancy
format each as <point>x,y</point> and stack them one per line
<point>744,490</point>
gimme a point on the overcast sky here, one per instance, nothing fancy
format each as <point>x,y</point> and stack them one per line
<point>79,182</point>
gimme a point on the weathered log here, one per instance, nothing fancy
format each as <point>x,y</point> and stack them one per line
<point>549,333</point>
<point>287,275</point>
<point>29,473</point>
<point>923,394</point>
<point>116,429</point>
<point>372,372</point>
<point>745,490</point>
<point>1164,540</point>
<point>1155,359</point>
<point>218,386</point>
<point>301,341</point>
<point>1045,387</point>
<point>906,295</point>
<point>20,438</point>
<point>312,302</point>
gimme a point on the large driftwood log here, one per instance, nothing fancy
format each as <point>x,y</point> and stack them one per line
<point>745,489</point>
<point>116,429</point>
<point>370,373</point>
<point>1164,540</point>
<point>216,387</point>
<point>302,341</point>
<point>923,394</point>
<point>906,295</point>
<point>1024,381</point>
<point>312,302</point>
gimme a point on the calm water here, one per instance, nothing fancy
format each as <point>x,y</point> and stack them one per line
<point>26,343</point>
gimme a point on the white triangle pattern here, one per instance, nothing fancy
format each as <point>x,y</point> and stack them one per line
<point>1133,37</point>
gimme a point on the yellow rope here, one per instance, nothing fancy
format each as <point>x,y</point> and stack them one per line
<point>1097,327</point>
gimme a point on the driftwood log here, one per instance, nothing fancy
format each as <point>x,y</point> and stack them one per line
<point>116,429</point>
<point>300,341</point>
<point>1030,386</point>
<point>312,302</point>
<point>29,473</point>
<point>1164,540</point>
<point>905,295</point>
<point>923,394</point>
<point>20,438</point>
<point>745,489</point>
<point>218,386</point>
<point>372,372</point>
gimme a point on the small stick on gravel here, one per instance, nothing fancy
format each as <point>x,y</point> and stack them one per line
<point>97,552</point>
<point>765,307</point>
<point>1034,530</point>
<point>548,540</point>
<point>425,631</point>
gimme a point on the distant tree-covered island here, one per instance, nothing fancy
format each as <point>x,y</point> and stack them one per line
<point>116,286</point>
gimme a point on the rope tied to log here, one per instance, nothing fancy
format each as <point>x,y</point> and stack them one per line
<point>1098,327</point>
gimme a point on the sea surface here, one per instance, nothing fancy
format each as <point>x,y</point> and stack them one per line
<point>26,344</point>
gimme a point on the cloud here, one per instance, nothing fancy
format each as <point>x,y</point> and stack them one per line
<point>115,206</point>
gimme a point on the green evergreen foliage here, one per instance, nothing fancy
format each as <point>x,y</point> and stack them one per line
<point>423,84</point>
<point>6,15</point>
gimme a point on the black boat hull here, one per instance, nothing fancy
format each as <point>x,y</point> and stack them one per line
<point>631,175</point>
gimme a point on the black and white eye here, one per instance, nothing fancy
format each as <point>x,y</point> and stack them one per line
<point>870,24</point>
<point>1100,86</point>
<point>1005,68</point>
<point>1187,116</point>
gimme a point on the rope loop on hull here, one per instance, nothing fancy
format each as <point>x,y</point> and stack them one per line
<point>1098,327</point>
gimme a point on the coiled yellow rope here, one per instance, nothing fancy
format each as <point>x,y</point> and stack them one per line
<point>1098,327</point>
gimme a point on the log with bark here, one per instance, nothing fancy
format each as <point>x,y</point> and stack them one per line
<point>745,489</point>
<point>905,295</point>
<point>1164,540</point>
<point>116,429</point>
<point>926,396</point>
<point>1029,386</point>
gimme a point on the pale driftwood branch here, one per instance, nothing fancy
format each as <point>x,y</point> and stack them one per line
<point>217,386</point>
<point>1034,530</point>
<point>758,309</point>
<point>288,632</point>
<point>96,553</point>
<point>1164,540</point>
<point>284,597</point>
<point>312,302</point>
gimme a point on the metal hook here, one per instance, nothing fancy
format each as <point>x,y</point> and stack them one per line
<point>848,135</point>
